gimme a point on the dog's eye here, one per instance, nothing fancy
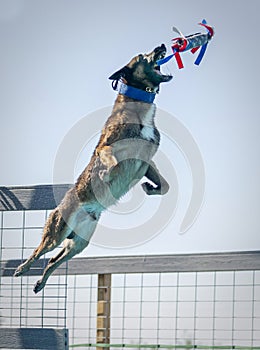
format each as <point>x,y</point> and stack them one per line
<point>145,59</point>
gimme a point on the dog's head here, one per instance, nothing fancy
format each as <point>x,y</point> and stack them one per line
<point>143,72</point>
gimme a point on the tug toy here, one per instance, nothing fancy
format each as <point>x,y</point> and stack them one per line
<point>190,42</point>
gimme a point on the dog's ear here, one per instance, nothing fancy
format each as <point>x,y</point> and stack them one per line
<point>121,73</point>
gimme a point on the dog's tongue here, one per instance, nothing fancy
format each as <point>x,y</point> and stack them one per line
<point>158,70</point>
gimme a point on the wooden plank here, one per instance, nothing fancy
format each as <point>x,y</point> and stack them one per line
<point>32,197</point>
<point>235,261</point>
<point>34,338</point>
<point>103,309</point>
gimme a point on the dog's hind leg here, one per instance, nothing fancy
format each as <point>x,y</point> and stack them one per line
<point>84,225</point>
<point>54,233</point>
<point>45,246</point>
<point>71,247</point>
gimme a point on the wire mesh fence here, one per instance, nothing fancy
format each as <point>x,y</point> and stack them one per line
<point>158,302</point>
<point>172,309</point>
<point>19,306</point>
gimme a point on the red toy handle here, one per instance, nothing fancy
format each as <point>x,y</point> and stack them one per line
<point>209,28</point>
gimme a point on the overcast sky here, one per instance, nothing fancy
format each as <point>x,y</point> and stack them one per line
<point>56,57</point>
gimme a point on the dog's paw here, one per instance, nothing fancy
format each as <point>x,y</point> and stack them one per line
<point>20,271</point>
<point>150,189</point>
<point>38,286</point>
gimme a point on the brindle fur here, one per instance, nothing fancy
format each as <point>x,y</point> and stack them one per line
<point>121,158</point>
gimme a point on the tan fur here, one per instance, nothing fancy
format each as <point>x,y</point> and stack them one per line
<point>121,158</point>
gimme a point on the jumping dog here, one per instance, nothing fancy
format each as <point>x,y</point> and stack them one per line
<point>122,157</point>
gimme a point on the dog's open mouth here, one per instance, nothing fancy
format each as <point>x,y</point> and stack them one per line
<point>159,54</point>
<point>159,57</point>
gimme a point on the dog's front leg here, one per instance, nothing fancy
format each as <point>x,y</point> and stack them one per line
<point>153,175</point>
<point>108,160</point>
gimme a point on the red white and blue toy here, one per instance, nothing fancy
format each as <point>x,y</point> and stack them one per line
<point>190,42</point>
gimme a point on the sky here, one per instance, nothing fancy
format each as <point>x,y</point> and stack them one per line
<point>56,57</point>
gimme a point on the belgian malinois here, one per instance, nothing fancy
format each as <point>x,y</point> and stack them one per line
<point>122,157</point>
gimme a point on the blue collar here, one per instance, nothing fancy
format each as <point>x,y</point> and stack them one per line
<point>136,94</point>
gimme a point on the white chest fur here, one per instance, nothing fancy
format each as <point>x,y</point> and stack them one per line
<point>148,124</point>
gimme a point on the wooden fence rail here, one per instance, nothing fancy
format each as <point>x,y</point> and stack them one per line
<point>234,261</point>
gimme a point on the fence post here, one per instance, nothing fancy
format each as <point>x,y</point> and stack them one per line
<point>103,309</point>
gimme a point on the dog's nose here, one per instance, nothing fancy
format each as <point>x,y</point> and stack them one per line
<point>163,47</point>
<point>160,48</point>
